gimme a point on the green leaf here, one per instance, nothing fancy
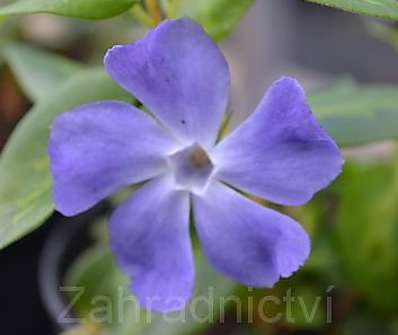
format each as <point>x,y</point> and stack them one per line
<point>85,9</point>
<point>218,17</point>
<point>367,232</point>
<point>39,72</point>
<point>96,262</point>
<point>386,9</point>
<point>122,314</point>
<point>25,183</point>
<point>355,115</point>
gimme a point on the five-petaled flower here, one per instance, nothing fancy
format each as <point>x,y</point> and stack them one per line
<point>280,153</point>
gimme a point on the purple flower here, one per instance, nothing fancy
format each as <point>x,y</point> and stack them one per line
<point>280,153</point>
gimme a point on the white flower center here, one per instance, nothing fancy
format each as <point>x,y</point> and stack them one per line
<point>192,168</point>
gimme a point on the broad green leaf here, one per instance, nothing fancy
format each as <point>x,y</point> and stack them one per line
<point>38,72</point>
<point>218,17</point>
<point>121,312</point>
<point>97,262</point>
<point>355,115</point>
<point>85,9</point>
<point>387,9</point>
<point>367,232</point>
<point>25,183</point>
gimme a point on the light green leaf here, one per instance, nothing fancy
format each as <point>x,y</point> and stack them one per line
<point>122,314</point>
<point>38,72</point>
<point>25,183</point>
<point>218,17</point>
<point>98,262</point>
<point>85,9</point>
<point>355,115</point>
<point>367,232</point>
<point>387,9</point>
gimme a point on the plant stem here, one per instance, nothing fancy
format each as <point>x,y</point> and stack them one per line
<point>141,15</point>
<point>154,11</point>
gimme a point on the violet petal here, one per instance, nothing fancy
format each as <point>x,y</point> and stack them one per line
<point>179,73</point>
<point>100,147</point>
<point>149,236</point>
<point>245,241</point>
<point>280,153</point>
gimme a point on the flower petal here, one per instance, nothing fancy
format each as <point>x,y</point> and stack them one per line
<point>280,153</point>
<point>179,73</point>
<point>98,148</point>
<point>150,238</point>
<point>246,241</point>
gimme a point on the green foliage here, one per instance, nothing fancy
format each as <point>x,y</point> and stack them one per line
<point>103,294</point>
<point>38,72</point>
<point>355,115</point>
<point>387,9</point>
<point>107,302</point>
<point>25,183</point>
<point>218,17</point>
<point>367,232</point>
<point>85,9</point>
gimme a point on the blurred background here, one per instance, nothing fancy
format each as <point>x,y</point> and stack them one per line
<point>354,224</point>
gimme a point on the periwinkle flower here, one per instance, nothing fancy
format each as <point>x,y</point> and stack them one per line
<point>280,153</point>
